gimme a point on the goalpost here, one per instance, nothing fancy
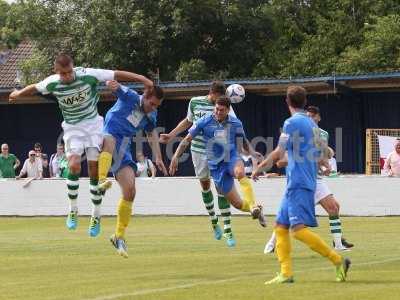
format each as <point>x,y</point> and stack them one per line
<point>372,157</point>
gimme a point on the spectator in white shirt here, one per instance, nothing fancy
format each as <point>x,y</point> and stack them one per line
<point>145,167</point>
<point>392,163</point>
<point>32,167</point>
<point>45,159</point>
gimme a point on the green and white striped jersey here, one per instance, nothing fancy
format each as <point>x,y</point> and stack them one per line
<point>198,108</point>
<point>77,100</point>
<point>324,137</point>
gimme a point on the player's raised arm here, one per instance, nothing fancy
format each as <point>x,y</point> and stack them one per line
<point>183,125</point>
<point>129,76</point>
<point>268,163</point>
<point>173,167</point>
<point>26,91</point>
<point>152,136</point>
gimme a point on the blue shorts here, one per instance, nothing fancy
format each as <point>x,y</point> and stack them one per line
<point>223,175</point>
<point>122,155</point>
<point>297,207</point>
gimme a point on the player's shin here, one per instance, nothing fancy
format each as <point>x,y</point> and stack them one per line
<point>225,210</point>
<point>73,187</point>
<point>208,200</point>
<point>248,194</point>
<point>336,230</point>
<point>123,217</point>
<point>96,197</point>
<point>105,161</point>
<point>283,249</point>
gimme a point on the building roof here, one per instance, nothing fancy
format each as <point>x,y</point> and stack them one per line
<point>9,69</point>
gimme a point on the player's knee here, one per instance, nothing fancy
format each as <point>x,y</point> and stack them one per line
<point>74,167</point>
<point>205,184</point>
<point>337,206</point>
<point>239,173</point>
<point>129,193</point>
<point>332,209</point>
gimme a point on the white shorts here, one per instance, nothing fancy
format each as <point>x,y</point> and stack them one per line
<point>200,165</point>
<point>322,191</point>
<point>85,134</point>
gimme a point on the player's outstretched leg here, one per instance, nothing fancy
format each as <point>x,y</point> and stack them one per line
<point>316,244</point>
<point>225,210</point>
<point>270,245</point>
<point>256,210</point>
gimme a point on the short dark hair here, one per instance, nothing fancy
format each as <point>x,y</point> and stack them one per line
<point>157,92</point>
<point>313,109</point>
<point>63,60</point>
<point>223,100</point>
<point>296,96</point>
<point>218,87</point>
<point>37,145</point>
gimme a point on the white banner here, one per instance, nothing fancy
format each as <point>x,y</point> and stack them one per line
<point>386,145</point>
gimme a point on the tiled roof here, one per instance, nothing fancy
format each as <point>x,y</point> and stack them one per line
<point>8,70</point>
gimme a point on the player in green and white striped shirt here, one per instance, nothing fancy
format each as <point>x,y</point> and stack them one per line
<point>76,92</point>
<point>199,107</point>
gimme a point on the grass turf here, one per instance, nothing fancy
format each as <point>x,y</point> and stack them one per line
<point>178,258</point>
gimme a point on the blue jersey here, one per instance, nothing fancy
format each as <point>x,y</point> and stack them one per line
<point>126,117</point>
<point>301,137</point>
<point>221,139</point>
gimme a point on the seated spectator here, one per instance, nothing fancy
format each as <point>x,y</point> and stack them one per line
<point>145,167</point>
<point>45,159</point>
<point>57,166</point>
<point>392,163</point>
<point>8,163</point>
<point>32,167</point>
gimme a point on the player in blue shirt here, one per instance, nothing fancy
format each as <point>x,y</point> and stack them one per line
<point>224,135</point>
<point>129,115</point>
<point>306,152</point>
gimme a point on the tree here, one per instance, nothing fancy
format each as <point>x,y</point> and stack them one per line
<point>379,50</point>
<point>194,69</point>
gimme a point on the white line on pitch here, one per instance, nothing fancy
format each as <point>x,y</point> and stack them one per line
<point>208,282</point>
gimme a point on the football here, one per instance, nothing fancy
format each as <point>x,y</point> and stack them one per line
<point>236,93</point>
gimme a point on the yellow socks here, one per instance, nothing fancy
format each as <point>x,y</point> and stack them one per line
<point>283,248</point>
<point>123,218</point>
<point>105,161</point>
<point>248,194</point>
<point>308,237</point>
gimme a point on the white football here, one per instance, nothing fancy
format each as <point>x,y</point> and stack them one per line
<point>235,93</point>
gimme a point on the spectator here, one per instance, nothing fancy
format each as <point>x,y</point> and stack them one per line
<point>145,167</point>
<point>32,167</point>
<point>57,162</point>
<point>392,163</point>
<point>45,159</point>
<point>8,163</point>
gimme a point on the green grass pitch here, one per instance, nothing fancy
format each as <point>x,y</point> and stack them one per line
<point>178,258</point>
